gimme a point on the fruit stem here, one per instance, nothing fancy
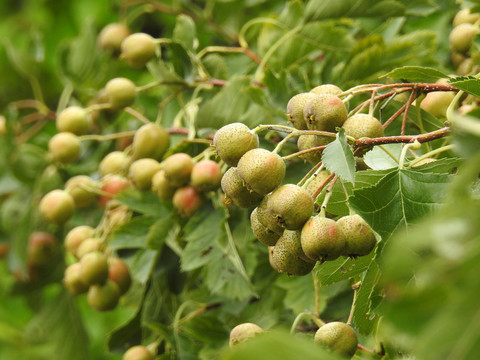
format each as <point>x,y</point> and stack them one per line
<point>107,137</point>
<point>241,36</point>
<point>303,315</point>
<point>431,153</point>
<point>414,145</point>
<point>328,195</point>
<point>96,107</point>
<point>302,152</point>
<point>308,178</point>
<point>283,142</point>
<point>136,114</point>
<point>355,288</point>
<point>315,194</point>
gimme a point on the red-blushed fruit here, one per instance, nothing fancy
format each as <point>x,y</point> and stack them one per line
<point>138,49</point>
<point>82,188</point>
<point>41,248</point>
<point>74,119</point>
<point>187,200</point>
<point>295,108</point>
<point>359,237</point>
<point>111,37</point>
<point>162,187</point>
<point>119,273</point>
<point>206,175</point>
<point>236,190</point>
<point>338,337</point>
<point>72,280</point>
<point>262,170</point>
<point>121,92</point>
<point>112,185</point>
<point>103,297</point>
<point>64,147</point>
<point>321,240</point>
<point>141,172</point>
<point>76,236</point>
<point>232,141</point>
<point>89,245</point>
<point>150,141</point>
<point>138,352</point>
<point>178,168</point>
<point>242,332</point>
<point>325,112</point>
<point>57,206</point>
<point>116,162</point>
<point>363,125</point>
<point>94,268</point>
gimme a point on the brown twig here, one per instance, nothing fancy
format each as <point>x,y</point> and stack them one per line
<point>422,138</point>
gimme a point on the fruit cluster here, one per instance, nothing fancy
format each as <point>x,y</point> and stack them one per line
<point>465,29</point>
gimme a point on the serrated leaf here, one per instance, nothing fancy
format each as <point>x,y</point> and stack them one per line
<point>469,84</point>
<point>319,9</point>
<point>331,272</point>
<point>338,158</point>
<point>185,31</point>
<point>416,74</point>
<point>400,198</point>
<point>133,234</point>
<point>144,202</point>
<point>378,159</point>
<point>444,166</point>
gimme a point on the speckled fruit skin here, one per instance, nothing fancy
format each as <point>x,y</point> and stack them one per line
<point>187,200</point>
<point>41,248</point>
<point>150,141</point>
<point>286,262</point>
<point>291,206</point>
<point>112,185</point>
<point>235,189</point>
<point>321,240</point>
<point>94,268</point>
<point>359,237</point>
<point>232,141</point>
<point>64,147</point>
<point>206,175</point>
<point>138,352</point>
<point>78,187</point>
<point>162,187</point>
<point>262,170</point>
<point>461,37</point>
<point>116,162</point>
<point>76,236</point>
<point>261,232</point>
<point>317,181</point>
<point>305,142</point>
<point>73,281</point>
<point>338,337</point>
<point>103,297</point>
<point>178,168</point>
<point>119,273</point>
<point>111,37</point>
<point>325,112</point>
<point>57,206</point>
<point>295,109</point>
<point>363,125</point>
<point>141,172</point>
<point>327,89</point>
<point>243,332</point>
<point>265,217</point>
<point>74,119</point>
<point>121,92</point>
<point>291,240</point>
<point>138,49</point>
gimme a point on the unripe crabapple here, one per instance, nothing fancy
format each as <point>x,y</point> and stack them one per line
<point>57,206</point>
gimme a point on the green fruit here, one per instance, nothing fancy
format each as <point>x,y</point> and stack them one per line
<point>121,92</point>
<point>41,248</point>
<point>73,281</point>
<point>261,170</point>
<point>305,142</point>
<point>286,262</point>
<point>327,89</point>
<point>178,168</point>
<point>94,268</point>
<point>76,236</point>
<point>74,119</point>
<point>261,232</point>
<point>291,206</point>
<point>232,141</point>
<point>111,37</point>
<point>325,112</point>
<point>317,181</point>
<point>138,352</point>
<point>88,246</point>
<point>291,240</point>
<point>162,187</point>
<point>437,103</point>
<point>295,109</point>
<point>118,272</point>
<point>363,125</point>
<point>64,147</point>
<point>57,206</point>
<point>243,332</point>
<point>206,175</point>
<point>116,162</point>
<point>235,189</point>
<point>138,49</point>
<point>82,189</point>
<point>150,141</point>
<point>187,200</point>
<point>266,218</point>
<point>359,237</point>
<point>141,172</point>
<point>321,240</point>
<point>465,16</point>
<point>103,297</point>
<point>338,337</point>
<point>461,37</point>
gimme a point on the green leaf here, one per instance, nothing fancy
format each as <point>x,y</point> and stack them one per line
<point>126,335</point>
<point>160,231</point>
<point>416,74</point>
<point>300,293</point>
<point>185,32</point>
<point>400,198</point>
<point>319,9</point>
<point>338,158</point>
<point>133,234</point>
<point>469,84</point>
<point>378,159</point>
<point>331,272</point>
<point>182,64</point>
<point>144,202</point>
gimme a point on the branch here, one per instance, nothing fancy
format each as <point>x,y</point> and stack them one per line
<point>437,134</point>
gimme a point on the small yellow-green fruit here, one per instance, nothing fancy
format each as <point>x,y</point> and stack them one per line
<point>461,37</point>
<point>119,273</point>
<point>141,172</point>
<point>363,125</point>
<point>327,89</point>
<point>150,141</point>
<point>82,188</point>
<point>88,246</point>
<point>111,37</point>
<point>57,206</point>
<point>295,109</point>
<point>178,168</point>
<point>321,240</point>
<point>72,280</point>
<point>94,268</point>
<point>325,112</point>
<point>74,119</point>
<point>359,237</point>
<point>261,232</point>
<point>465,16</point>
<point>162,187</point>
<point>232,141</point>
<point>76,236</point>
<point>138,49</point>
<point>115,162</point>
<point>103,296</point>
<point>317,181</point>
<point>138,352</point>
<point>436,103</point>
<point>243,332</point>
<point>121,92</point>
<point>305,142</point>
<point>286,262</point>
<point>64,147</point>
<point>236,190</point>
<point>338,337</point>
